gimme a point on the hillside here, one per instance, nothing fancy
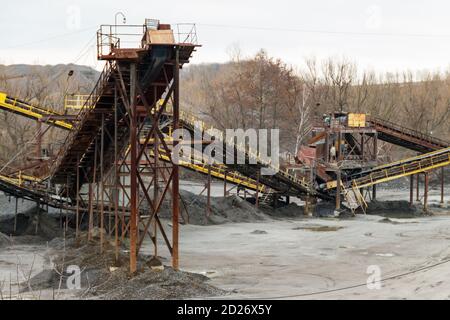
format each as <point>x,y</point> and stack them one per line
<point>260,92</point>
<point>46,85</point>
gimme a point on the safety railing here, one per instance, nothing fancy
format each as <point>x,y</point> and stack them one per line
<point>110,37</point>
<point>408,131</point>
<point>253,155</point>
<point>187,33</point>
<point>216,170</point>
<point>84,112</point>
<point>5,99</point>
<point>415,165</point>
<point>78,102</point>
<point>31,111</point>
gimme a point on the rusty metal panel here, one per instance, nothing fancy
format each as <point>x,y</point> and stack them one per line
<point>164,27</point>
<point>160,37</point>
<point>306,155</point>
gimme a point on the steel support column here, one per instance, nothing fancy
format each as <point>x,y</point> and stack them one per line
<point>175,170</point>
<point>418,188</point>
<point>425,193</point>
<point>338,190</point>
<point>15,215</point>
<point>133,171</point>
<point>225,183</point>
<point>257,189</point>
<point>208,193</point>
<point>442,186</point>
<point>77,218</point>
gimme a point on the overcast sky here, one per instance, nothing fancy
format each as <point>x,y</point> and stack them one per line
<point>383,35</point>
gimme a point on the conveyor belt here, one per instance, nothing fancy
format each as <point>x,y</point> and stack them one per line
<point>32,189</point>
<point>281,181</point>
<point>399,169</point>
<point>406,137</point>
<point>27,110</point>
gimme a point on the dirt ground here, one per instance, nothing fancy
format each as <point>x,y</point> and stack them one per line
<point>297,258</point>
<point>291,257</point>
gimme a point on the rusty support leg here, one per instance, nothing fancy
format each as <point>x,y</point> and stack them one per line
<point>60,217</point>
<point>102,187</point>
<point>15,216</point>
<point>155,196</point>
<point>418,188</point>
<point>91,211</point>
<point>38,215</point>
<point>175,179</point>
<point>225,184</point>
<point>66,216</point>
<point>442,203</point>
<point>116,181</point>
<point>411,190</point>
<point>94,184</point>
<point>307,211</point>
<point>77,217</point>
<point>133,174</point>
<point>208,193</point>
<point>425,193</point>
<point>39,142</point>
<point>338,151</point>
<point>374,192</point>
<point>375,147</point>
<point>257,190</point>
<point>338,190</point>
<point>363,140</point>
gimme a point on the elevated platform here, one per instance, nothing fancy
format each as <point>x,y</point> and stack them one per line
<point>153,65</point>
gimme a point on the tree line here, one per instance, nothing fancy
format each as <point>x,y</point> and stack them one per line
<point>264,92</point>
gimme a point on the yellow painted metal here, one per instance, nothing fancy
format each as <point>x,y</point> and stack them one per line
<point>81,101</point>
<point>357,120</point>
<point>30,111</point>
<point>331,184</point>
<point>404,173</point>
<point>192,120</point>
<point>10,180</point>
<point>387,179</point>
<point>434,161</point>
<point>20,179</point>
<point>411,159</point>
<point>218,172</point>
<point>77,102</point>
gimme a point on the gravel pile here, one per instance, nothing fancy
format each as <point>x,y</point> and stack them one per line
<point>292,210</point>
<point>223,210</point>
<point>104,278</point>
<point>397,209</point>
<point>8,206</point>
<point>4,240</point>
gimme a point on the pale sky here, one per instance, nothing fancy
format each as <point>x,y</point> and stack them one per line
<point>383,35</point>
